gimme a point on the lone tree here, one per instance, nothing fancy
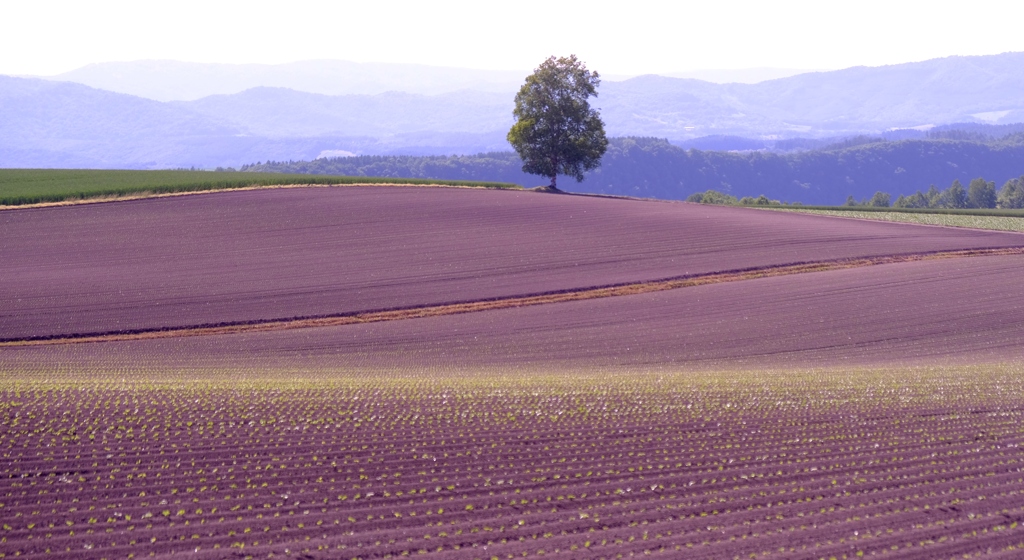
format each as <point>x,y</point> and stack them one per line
<point>556,130</point>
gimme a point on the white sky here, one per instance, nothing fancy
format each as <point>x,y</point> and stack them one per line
<point>631,37</point>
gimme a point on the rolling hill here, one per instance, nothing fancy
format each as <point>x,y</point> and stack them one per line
<point>246,258</point>
<point>864,401</point>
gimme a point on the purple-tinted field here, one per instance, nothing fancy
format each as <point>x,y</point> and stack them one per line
<point>862,412</point>
<point>911,463</point>
<point>964,310</point>
<point>247,256</point>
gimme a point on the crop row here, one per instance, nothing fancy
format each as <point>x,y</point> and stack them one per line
<point>814,464</point>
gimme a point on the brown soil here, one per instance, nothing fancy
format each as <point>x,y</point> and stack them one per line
<point>235,258</point>
<point>513,302</point>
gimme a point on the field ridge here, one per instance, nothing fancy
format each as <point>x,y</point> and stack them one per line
<point>455,308</point>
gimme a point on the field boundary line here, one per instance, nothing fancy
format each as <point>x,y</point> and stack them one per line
<point>508,302</point>
<point>144,195</point>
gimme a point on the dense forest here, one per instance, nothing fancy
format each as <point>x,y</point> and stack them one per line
<point>654,168</point>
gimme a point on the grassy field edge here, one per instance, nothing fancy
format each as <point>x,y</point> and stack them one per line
<point>1010,223</point>
<point>995,212</point>
<point>21,187</point>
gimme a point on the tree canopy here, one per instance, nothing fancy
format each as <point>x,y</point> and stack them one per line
<point>556,130</point>
<point>1012,194</point>
<point>981,194</point>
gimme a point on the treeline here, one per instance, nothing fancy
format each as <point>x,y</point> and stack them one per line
<point>715,197</point>
<point>654,168</point>
<point>503,167</point>
<point>978,194</point>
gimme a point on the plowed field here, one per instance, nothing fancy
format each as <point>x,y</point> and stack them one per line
<point>911,463</point>
<point>873,411</point>
<point>945,311</point>
<point>277,254</point>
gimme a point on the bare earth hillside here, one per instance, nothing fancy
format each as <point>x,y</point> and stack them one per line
<point>945,312</point>
<point>281,254</point>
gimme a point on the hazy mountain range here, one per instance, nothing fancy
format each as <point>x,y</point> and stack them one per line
<point>362,109</point>
<point>170,80</point>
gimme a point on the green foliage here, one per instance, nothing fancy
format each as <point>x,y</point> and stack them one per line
<point>1012,194</point>
<point>556,130</point>
<point>715,197</point>
<point>29,186</point>
<point>953,197</point>
<point>879,200</point>
<point>981,194</point>
<point>916,200</point>
<point>492,166</point>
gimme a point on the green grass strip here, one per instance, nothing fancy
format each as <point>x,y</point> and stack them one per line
<point>976,221</point>
<point>34,186</point>
<point>1003,212</point>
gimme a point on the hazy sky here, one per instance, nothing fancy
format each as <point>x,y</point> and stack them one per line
<point>632,37</point>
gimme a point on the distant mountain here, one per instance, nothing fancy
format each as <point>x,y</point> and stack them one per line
<point>953,89</point>
<point>52,123</point>
<point>280,112</point>
<point>46,123</point>
<point>856,100</point>
<point>169,80</point>
<point>739,76</point>
<point>822,104</point>
<point>982,89</point>
<point>59,124</point>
